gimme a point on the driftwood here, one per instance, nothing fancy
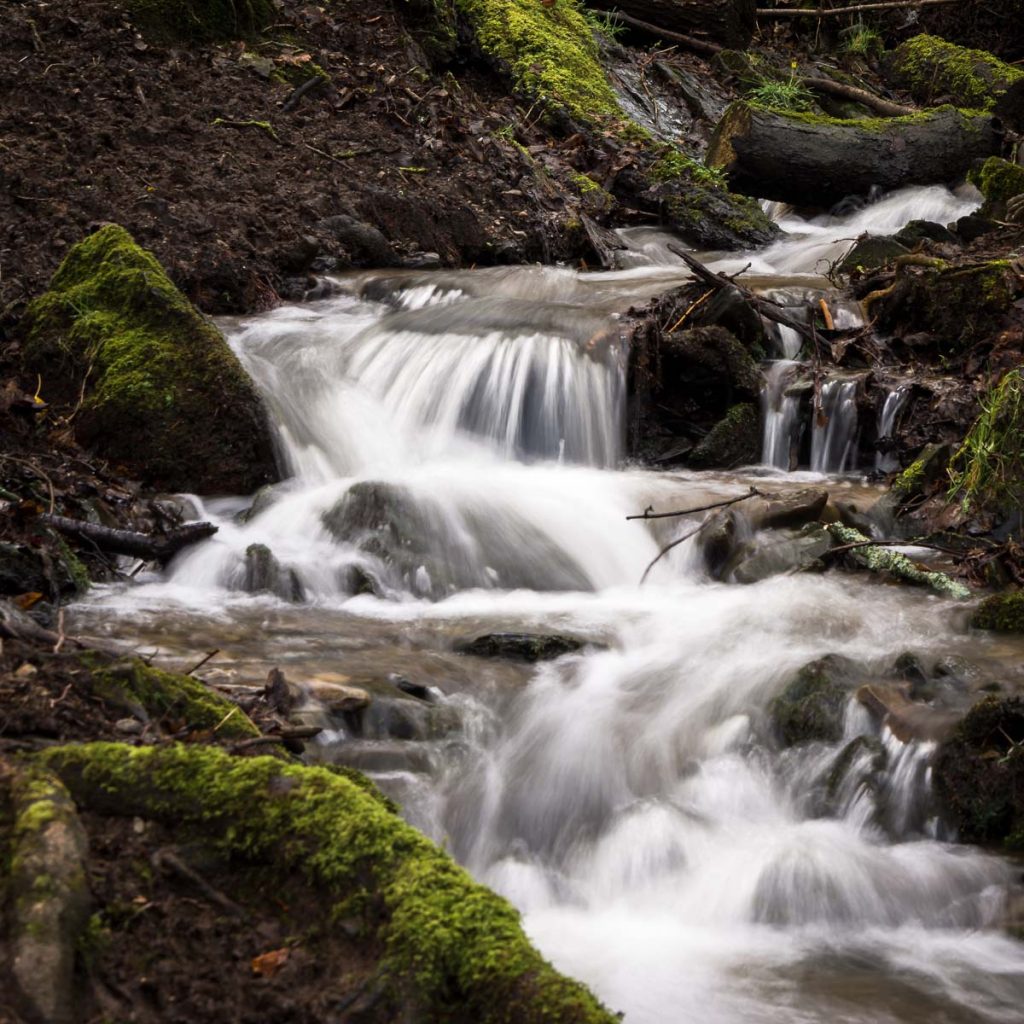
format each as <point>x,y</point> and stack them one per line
<point>809,160</point>
<point>129,542</point>
<point>728,22</point>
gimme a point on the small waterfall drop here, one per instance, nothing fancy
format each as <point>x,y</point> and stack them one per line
<point>781,417</point>
<point>834,428</point>
<point>891,407</point>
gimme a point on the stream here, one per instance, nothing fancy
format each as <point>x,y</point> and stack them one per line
<point>454,445</point>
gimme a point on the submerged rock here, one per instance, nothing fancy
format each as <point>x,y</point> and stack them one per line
<point>783,552</point>
<point>164,395</point>
<point>812,705</point>
<point>520,646</point>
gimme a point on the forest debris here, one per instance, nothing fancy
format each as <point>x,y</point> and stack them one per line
<point>130,542</point>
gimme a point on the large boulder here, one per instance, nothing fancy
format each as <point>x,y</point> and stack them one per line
<point>161,392</point>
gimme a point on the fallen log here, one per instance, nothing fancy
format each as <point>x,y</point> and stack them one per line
<point>129,542</point>
<point>811,160</point>
<point>729,22</point>
<point>933,70</point>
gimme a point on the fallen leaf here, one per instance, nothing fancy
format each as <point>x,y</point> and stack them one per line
<point>266,965</point>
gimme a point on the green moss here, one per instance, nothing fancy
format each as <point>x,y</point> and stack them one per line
<point>550,51</point>
<point>929,66</point>
<point>871,124</point>
<point>675,166</point>
<point>165,394</point>
<point>75,569</point>
<point>201,20</point>
<point>812,705</point>
<point>163,695</point>
<point>452,950</point>
<point>910,481</point>
<point>987,471</point>
<point>998,180</point>
<point>1002,613</point>
<point>735,440</point>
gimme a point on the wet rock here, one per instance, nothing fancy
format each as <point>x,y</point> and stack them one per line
<point>417,690</point>
<point>979,773</point>
<point>382,756</point>
<point>916,231</point>
<point>792,509</point>
<point>1001,613</point>
<point>871,252</point>
<point>404,719</point>
<point>812,705</point>
<point>735,440</point>
<point>717,542</point>
<point>784,552</point>
<point>264,574</point>
<point>336,697</point>
<point>51,570</point>
<point>711,358</point>
<point>973,226</point>
<point>730,309</point>
<point>365,243</point>
<point>926,472</point>
<point>51,896</point>
<point>908,720</point>
<point>520,646</point>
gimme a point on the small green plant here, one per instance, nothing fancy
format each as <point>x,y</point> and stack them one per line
<point>604,23</point>
<point>783,94</point>
<point>673,165</point>
<point>861,41</point>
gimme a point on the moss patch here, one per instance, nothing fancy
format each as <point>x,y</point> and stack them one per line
<point>165,395</point>
<point>201,20</point>
<point>453,950</point>
<point>550,51</point>
<point>735,440</point>
<point>1003,613</point>
<point>163,695</point>
<point>811,707</point>
<point>998,179</point>
<point>931,67</point>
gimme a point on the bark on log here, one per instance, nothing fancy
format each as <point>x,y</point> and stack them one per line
<point>810,160</point>
<point>729,22</point>
<point>933,70</point>
<point>128,542</point>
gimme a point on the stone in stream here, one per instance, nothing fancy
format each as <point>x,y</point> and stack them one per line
<point>735,440</point>
<point>1001,613</point>
<point>870,252</point>
<point>520,646</point>
<point>792,509</point>
<point>264,574</point>
<point>786,551</point>
<point>916,231</point>
<point>908,720</point>
<point>979,773</point>
<point>812,705</point>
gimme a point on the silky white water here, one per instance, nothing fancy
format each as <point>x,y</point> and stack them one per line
<point>454,443</point>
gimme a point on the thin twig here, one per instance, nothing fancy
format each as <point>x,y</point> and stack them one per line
<point>807,12</point>
<point>648,513</point>
<point>665,550</point>
<point>202,661</point>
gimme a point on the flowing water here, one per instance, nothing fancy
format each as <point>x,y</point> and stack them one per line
<point>454,445</point>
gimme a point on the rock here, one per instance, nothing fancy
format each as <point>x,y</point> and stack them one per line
<point>870,252</point>
<point>812,705</point>
<point>784,552</point>
<point>924,473</point>
<point>51,570</point>
<point>916,231</point>
<point>974,226</point>
<point>51,896</point>
<point>336,697</point>
<point>400,718</point>
<point>979,773</point>
<point>365,243</point>
<point>790,509</point>
<point>417,690</point>
<point>167,399</point>
<point>907,720</point>
<point>728,308</point>
<point>519,646</point>
<point>717,542</point>
<point>735,440</point>
<point>264,574</point>
<point>1001,613</point>
<point>382,756</point>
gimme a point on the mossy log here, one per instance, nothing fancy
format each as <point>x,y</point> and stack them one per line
<point>807,159</point>
<point>451,950</point>
<point>932,69</point>
<point>729,22</point>
<point>161,392</point>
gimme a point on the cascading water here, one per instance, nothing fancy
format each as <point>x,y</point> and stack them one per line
<point>834,427</point>
<point>781,416</point>
<point>893,405</point>
<point>452,441</point>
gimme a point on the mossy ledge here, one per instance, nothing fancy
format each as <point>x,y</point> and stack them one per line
<point>164,395</point>
<point>452,950</point>
<point>550,52</point>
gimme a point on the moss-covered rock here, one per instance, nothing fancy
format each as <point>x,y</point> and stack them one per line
<point>179,700</point>
<point>931,68</point>
<point>735,440</point>
<point>164,395</point>
<point>871,252</point>
<point>998,181</point>
<point>1002,613</point>
<point>550,52</point>
<point>812,705</point>
<point>979,773</point>
<point>451,950</point>
<point>433,26</point>
<point>713,217</point>
<point>201,20</point>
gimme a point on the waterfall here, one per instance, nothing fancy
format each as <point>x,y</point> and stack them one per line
<point>887,413</point>
<point>780,415</point>
<point>834,428</point>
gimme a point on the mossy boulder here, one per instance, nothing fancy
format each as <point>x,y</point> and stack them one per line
<point>932,69</point>
<point>549,51</point>
<point>871,252</point>
<point>201,20</point>
<point>177,700</point>
<point>164,395</point>
<point>1002,613</point>
<point>811,706</point>
<point>735,440</point>
<point>715,218</point>
<point>449,949</point>
<point>998,181</point>
<point>979,773</point>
